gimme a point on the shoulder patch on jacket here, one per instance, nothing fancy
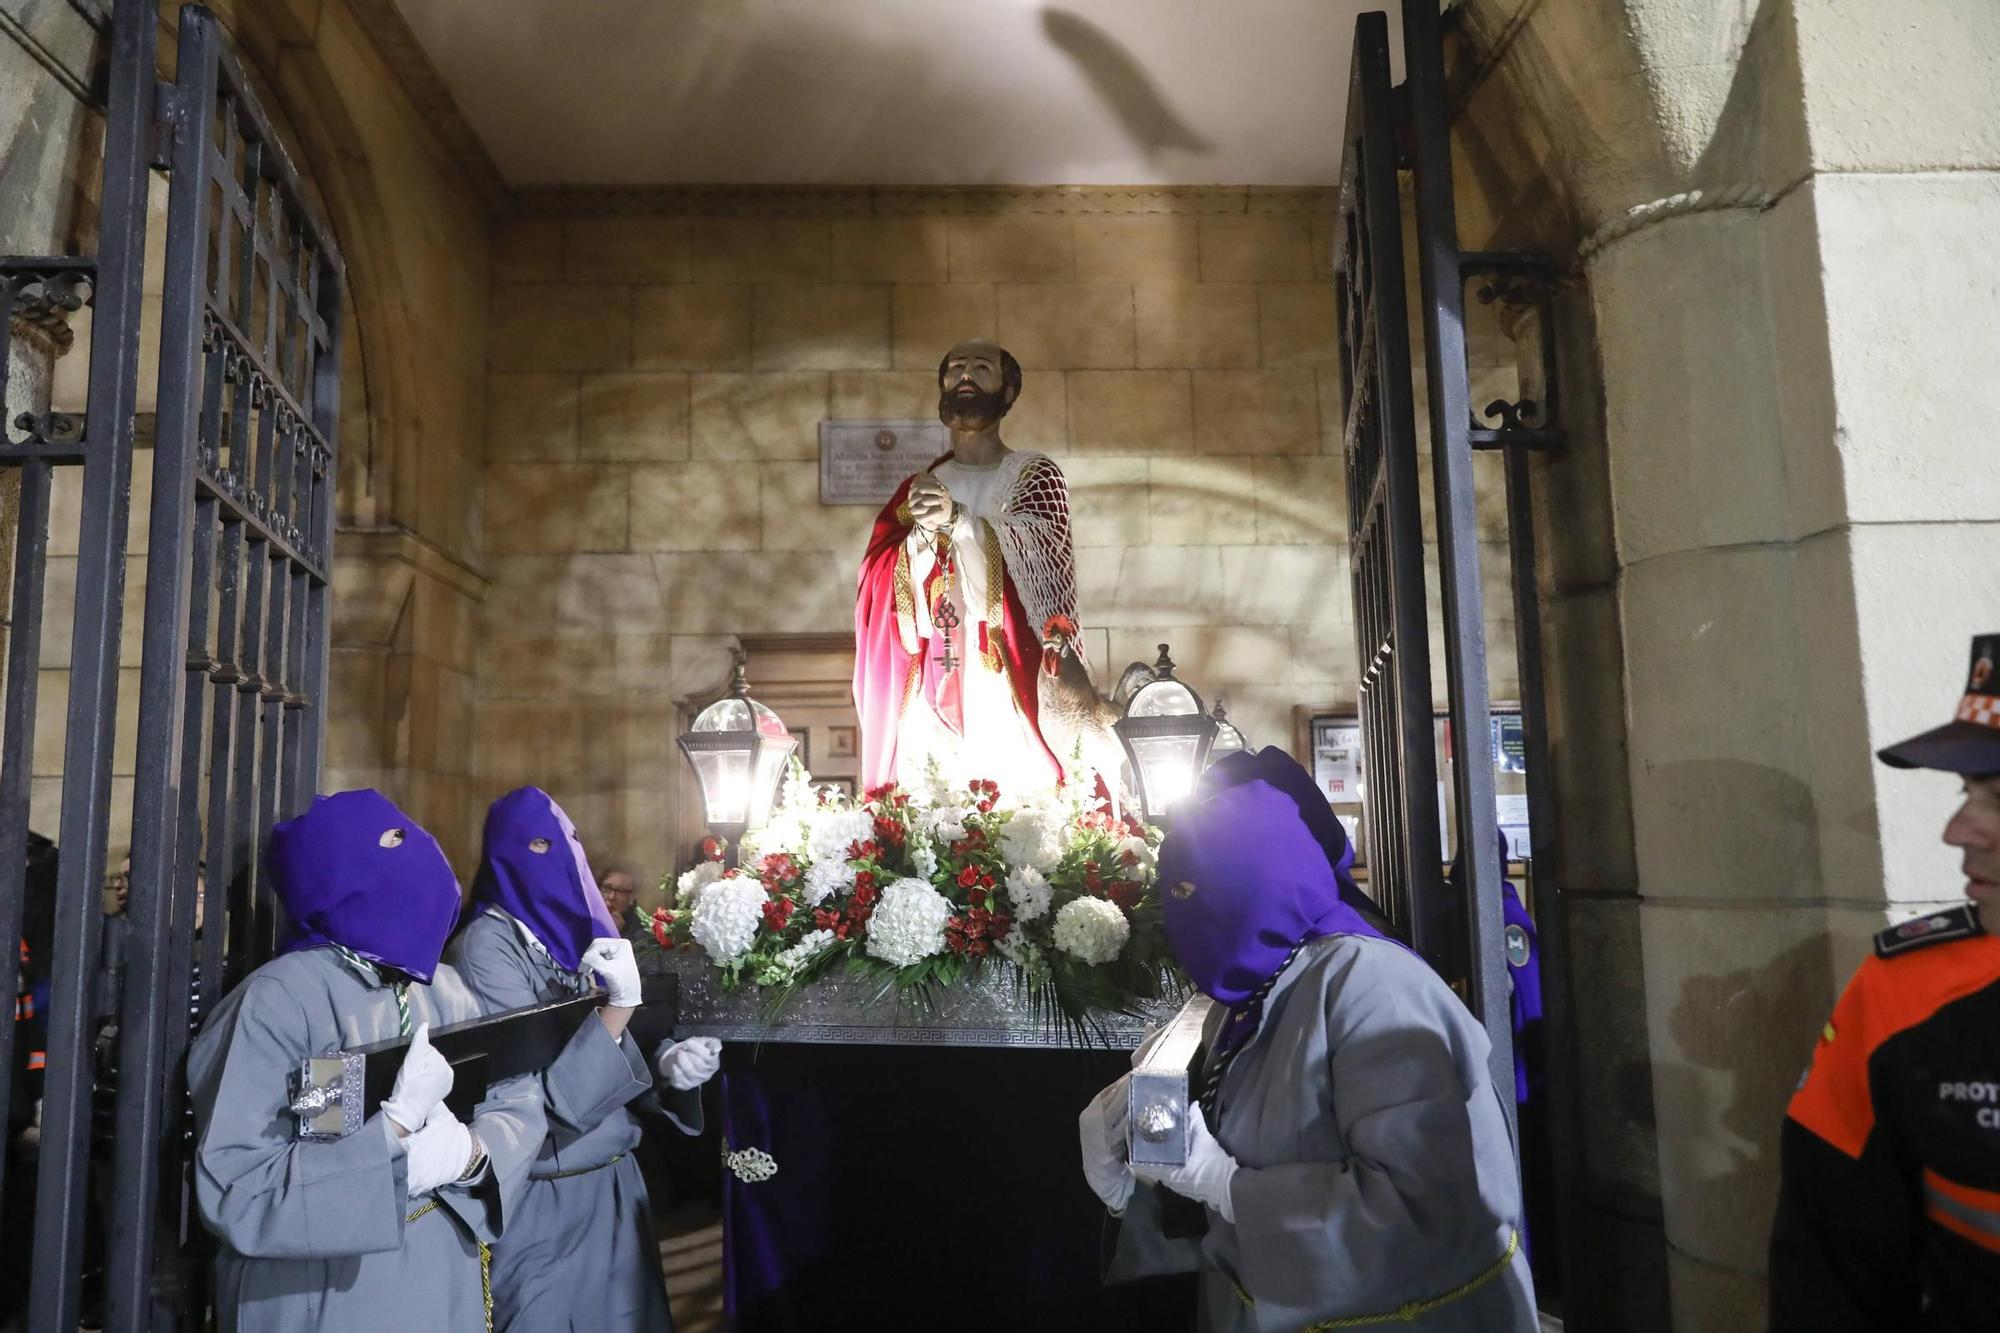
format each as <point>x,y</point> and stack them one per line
<point>1957,923</point>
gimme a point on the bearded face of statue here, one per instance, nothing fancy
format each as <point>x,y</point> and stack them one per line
<point>977,385</point>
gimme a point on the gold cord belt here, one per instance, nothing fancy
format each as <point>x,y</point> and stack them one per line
<point>1411,1311</point>
<point>580,1171</point>
<point>485,1260</point>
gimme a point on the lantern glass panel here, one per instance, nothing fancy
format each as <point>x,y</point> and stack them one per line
<point>772,756</point>
<point>1228,740</point>
<point>1166,768</point>
<point>725,784</point>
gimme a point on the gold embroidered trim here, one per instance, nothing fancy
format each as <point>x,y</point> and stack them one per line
<point>906,601</point>
<point>996,576</point>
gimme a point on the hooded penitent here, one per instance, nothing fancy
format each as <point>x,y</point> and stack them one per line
<point>355,871</point>
<point>1278,768</point>
<point>1243,883</point>
<point>533,868</point>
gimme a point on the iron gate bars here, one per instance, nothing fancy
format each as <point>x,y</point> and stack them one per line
<point>243,475</point>
<point>1385,521</point>
<point>235,635</point>
<point>1458,930</point>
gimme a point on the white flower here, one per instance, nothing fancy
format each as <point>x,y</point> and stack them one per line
<point>834,831</point>
<point>923,858</point>
<point>807,949</point>
<point>908,923</point>
<point>1019,950</point>
<point>947,822</point>
<point>827,878</point>
<point>1091,929</point>
<point>1034,836</point>
<point>687,889</point>
<point>1134,854</point>
<point>1029,891</point>
<point>726,919</point>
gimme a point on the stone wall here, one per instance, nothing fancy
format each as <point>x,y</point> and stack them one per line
<point>657,380</point>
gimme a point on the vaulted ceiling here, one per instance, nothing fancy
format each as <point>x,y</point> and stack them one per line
<point>1088,92</point>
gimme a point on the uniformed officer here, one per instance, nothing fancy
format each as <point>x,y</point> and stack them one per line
<point>1889,1206</point>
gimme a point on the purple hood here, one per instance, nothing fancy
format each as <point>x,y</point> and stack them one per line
<point>355,871</point>
<point>550,891</point>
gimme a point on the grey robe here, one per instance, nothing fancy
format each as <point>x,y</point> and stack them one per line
<point>579,1251</point>
<point>325,1236</point>
<point>1376,1166</point>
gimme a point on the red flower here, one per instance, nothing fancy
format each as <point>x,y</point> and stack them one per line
<point>1091,879</point>
<point>711,848</point>
<point>874,794</point>
<point>1002,925</point>
<point>662,920</point>
<point>777,912</point>
<point>869,850</point>
<point>978,896</point>
<point>1126,893</point>
<point>889,830</point>
<point>866,894</point>
<point>968,877</point>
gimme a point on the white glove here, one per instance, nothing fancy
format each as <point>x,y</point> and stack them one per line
<point>612,960</point>
<point>422,1082</point>
<point>1101,1130</point>
<point>686,1065</point>
<point>438,1153</point>
<point>1205,1176</point>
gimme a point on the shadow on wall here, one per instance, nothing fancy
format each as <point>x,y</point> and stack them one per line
<point>1743,1048</point>
<point>1122,82</point>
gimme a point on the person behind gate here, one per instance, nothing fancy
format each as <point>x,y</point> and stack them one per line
<point>1889,1188</point>
<point>579,1252</point>
<point>1350,1152</point>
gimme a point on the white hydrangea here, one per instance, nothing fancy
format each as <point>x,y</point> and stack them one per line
<point>1134,853</point>
<point>827,878</point>
<point>908,923</point>
<point>1029,891</point>
<point>834,831</point>
<point>687,889</point>
<point>1092,930</point>
<point>1034,836</point>
<point>726,918</point>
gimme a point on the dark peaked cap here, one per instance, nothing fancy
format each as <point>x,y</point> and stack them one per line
<point>1970,742</point>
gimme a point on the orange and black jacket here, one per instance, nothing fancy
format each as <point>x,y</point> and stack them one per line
<point>1889,1201</point>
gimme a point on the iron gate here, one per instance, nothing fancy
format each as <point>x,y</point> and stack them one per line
<point>234,648</point>
<point>1457,927</point>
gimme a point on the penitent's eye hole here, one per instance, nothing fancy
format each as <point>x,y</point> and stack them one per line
<point>391,838</point>
<point>539,846</point>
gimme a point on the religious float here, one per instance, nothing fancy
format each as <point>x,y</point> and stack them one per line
<point>920,983</point>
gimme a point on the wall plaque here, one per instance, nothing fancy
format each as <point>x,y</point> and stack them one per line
<point>862,462</point>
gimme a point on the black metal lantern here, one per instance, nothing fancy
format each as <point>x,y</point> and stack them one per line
<point>738,749</point>
<point>1167,738</point>
<point>1228,740</point>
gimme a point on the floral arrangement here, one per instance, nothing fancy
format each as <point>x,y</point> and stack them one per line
<point>924,889</point>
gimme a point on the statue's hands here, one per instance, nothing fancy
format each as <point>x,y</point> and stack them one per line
<point>931,505</point>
